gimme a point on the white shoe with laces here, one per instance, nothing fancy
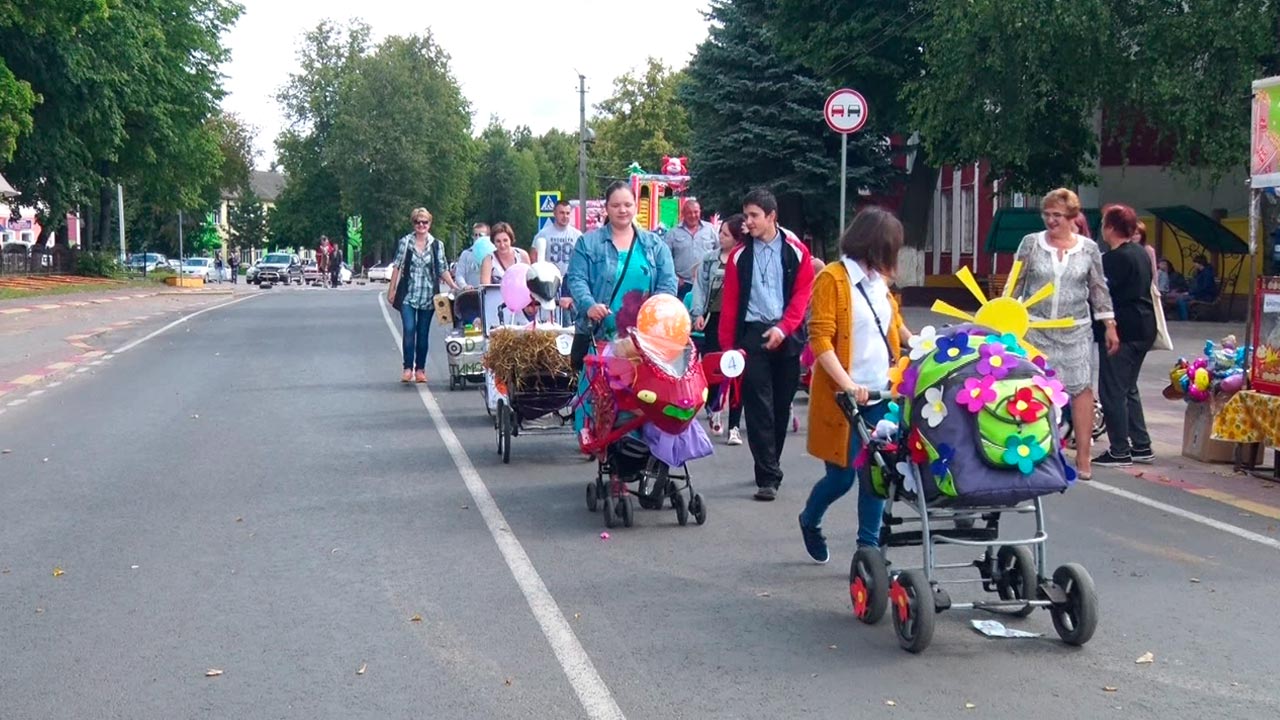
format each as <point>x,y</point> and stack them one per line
<point>717,427</point>
<point>735,437</point>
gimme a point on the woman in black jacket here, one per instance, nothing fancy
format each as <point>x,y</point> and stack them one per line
<point>1128,272</point>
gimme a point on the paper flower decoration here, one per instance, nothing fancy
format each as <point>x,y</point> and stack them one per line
<point>1023,452</point>
<point>994,360</point>
<point>908,477</point>
<point>934,410</point>
<point>952,348</point>
<point>1053,388</point>
<point>910,377</point>
<point>915,445</point>
<point>978,391</point>
<point>924,343</point>
<point>896,374</point>
<point>943,463</point>
<point>1025,407</point>
<point>1010,342</point>
<point>894,413</point>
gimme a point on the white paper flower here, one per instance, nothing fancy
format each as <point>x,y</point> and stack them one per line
<point>934,410</point>
<point>909,482</point>
<point>923,343</point>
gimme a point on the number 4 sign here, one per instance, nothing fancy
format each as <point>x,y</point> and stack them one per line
<point>732,363</point>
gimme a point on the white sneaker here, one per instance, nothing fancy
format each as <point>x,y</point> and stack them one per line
<point>717,427</point>
<point>735,437</point>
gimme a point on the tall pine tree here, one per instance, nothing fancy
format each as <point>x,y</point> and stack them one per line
<point>756,120</point>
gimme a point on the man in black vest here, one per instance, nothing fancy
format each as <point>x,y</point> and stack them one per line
<point>767,282</point>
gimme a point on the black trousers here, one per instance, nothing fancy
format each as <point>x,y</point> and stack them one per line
<point>769,384</point>
<point>1121,401</point>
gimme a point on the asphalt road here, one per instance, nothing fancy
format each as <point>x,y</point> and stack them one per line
<point>253,491</point>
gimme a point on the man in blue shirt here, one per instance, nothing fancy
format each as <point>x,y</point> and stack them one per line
<point>690,241</point>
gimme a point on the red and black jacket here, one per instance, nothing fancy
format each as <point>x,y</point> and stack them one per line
<point>797,285</point>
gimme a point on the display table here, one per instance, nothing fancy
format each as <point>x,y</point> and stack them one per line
<point>1249,418</point>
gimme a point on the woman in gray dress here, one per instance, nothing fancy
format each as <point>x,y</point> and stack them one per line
<point>1073,264</point>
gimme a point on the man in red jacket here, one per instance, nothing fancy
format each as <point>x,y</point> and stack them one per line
<point>767,282</point>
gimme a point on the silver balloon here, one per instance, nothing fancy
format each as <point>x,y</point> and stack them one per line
<point>543,280</point>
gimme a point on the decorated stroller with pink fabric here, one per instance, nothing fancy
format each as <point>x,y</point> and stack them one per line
<point>642,405</point>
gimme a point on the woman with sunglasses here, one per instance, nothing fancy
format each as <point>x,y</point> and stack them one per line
<point>422,258</point>
<point>1073,263</point>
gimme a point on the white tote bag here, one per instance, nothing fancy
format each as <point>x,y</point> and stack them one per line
<point>1163,341</point>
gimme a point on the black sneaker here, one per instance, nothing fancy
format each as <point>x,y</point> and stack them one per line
<point>766,494</point>
<point>1106,459</point>
<point>1143,455</point>
<point>814,543</point>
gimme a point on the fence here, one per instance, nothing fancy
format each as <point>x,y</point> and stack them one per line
<point>20,259</point>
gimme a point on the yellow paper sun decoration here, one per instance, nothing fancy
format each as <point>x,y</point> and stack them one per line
<point>1005,314</point>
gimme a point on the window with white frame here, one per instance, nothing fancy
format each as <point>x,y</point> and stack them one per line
<point>944,234</point>
<point>968,220</point>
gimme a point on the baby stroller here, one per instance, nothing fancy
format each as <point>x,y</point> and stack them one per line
<point>976,439</point>
<point>641,429</point>
<point>465,345</point>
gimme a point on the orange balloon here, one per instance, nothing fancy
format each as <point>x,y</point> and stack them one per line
<point>666,318</point>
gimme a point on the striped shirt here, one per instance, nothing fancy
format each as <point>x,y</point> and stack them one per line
<point>423,278</point>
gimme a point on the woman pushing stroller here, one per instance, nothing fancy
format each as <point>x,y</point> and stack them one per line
<point>855,332</point>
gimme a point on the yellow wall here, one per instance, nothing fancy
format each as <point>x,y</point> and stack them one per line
<point>1167,248</point>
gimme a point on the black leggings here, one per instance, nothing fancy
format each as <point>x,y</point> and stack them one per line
<point>710,343</point>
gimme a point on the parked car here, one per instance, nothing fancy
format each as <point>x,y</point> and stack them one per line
<point>199,267</point>
<point>380,273</point>
<point>149,262</point>
<point>276,268</point>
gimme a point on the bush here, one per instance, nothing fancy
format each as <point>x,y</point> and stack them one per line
<point>97,264</point>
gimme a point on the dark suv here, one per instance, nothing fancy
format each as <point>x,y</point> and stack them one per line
<point>283,268</point>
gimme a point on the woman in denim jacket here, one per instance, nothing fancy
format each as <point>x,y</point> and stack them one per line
<point>614,266</point>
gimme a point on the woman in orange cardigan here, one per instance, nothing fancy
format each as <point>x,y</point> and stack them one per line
<point>855,331</point>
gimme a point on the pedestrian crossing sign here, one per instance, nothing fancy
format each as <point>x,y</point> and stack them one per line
<point>546,202</point>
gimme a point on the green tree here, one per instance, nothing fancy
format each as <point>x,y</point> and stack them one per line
<point>641,122</point>
<point>774,137</point>
<point>309,203</point>
<point>401,139</point>
<point>248,220</point>
<point>505,180</point>
<point>37,22</point>
<point>556,156</point>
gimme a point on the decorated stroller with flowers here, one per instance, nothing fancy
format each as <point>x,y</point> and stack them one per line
<point>973,437</point>
<point>644,391</point>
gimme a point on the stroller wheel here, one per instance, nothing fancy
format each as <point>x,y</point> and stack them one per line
<point>625,511</point>
<point>1076,619</point>
<point>682,510</point>
<point>913,611</point>
<point>607,509</point>
<point>869,585</point>
<point>593,500</point>
<point>1016,577</point>
<point>698,508</point>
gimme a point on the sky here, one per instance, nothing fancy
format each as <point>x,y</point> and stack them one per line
<point>514,58</point>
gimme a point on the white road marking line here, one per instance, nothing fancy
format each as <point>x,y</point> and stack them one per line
<point>55,384</point>
<point>83,369</point>
<point>96,362</point>
<point>35,393</point>
<point>1186,514</point>
<point>594,695</point>
<point>179,321</point>
<point>15,403</point>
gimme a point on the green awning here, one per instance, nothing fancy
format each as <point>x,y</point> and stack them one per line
<point>1010,225</point>
<point>1207,232</point>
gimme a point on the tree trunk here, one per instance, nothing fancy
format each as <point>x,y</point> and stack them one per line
<point>105,203</point>
<point>917,201</point>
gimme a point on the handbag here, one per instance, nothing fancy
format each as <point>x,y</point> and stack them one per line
<point>402,285</point>
<point>1162,341</point>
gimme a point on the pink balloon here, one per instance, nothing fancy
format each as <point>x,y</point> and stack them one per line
<point>515,291</point>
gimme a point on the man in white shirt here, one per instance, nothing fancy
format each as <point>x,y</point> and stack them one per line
<point>690,241</point>
<point>560,238</point>
<point>468,265</point>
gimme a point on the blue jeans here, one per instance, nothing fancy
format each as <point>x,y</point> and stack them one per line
<point>417,332</point>
<point>839,480</point>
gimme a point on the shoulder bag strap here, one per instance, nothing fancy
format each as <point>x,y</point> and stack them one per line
<point>884,335</point>
<point>623,275</point>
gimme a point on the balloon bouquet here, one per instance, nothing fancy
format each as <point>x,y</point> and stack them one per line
<point>1216,375</point>
<point>644,392</point>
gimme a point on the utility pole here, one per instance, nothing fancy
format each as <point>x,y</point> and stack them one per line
<point>582,152</point>
<point>120,211</point>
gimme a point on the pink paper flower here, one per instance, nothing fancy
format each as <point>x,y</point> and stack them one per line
<point>1053,388</point>
<point>977,392</point>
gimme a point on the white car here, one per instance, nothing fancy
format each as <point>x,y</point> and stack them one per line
<point>380,273</point>
<point>199,267</point>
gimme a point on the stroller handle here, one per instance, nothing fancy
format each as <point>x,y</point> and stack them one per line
<point>850,408</point>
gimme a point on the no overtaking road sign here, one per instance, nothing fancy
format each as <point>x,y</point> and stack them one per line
<point>845,111</point>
